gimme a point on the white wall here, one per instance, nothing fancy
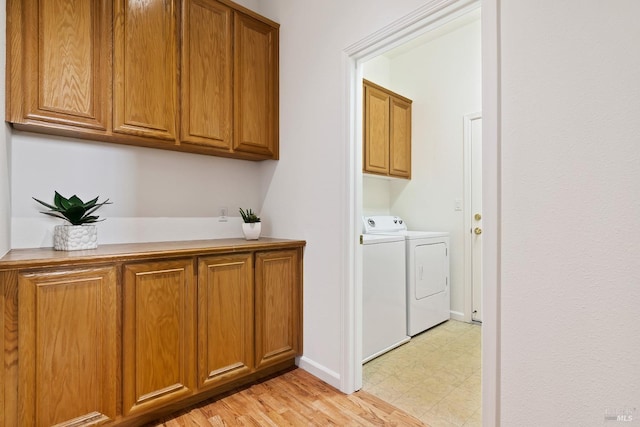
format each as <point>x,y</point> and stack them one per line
<point>570,208</point>
<point>443,78</point>
<point>156,194</point>
<point>5,206</point>
<point>376,195</point>
<point>378,70</point>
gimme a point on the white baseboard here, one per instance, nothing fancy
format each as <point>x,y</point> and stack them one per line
<point>456,315</point>
<point>317,370</point>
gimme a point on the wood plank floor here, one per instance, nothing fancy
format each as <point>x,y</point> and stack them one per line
<point>295,398</point>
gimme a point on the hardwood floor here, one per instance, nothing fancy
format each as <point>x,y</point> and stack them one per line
<point>295,398</point>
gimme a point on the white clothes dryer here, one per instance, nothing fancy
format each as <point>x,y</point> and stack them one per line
<point>427,263</point>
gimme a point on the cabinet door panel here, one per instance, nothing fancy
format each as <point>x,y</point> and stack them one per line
<point>400,138</point>
<point>158,334</point>
<point>225,318</point>
<point>207,61</point>
<point>278,301</point>
<point>68,347</point>
<point>376,131</point>
<point>66,62</point>
<point>145,77</point>
<point>255,86</point>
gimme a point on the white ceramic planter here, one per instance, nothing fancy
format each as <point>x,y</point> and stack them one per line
<point>75,237</point>
<point>251,230</point>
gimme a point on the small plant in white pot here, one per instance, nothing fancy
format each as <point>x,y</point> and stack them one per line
<point>81,233</point>
<point>252,225</point>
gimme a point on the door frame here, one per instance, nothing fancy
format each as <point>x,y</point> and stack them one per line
<point>468,238</point>
<point>429,16</point>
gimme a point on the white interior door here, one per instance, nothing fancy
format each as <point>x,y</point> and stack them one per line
<point>476,220</point>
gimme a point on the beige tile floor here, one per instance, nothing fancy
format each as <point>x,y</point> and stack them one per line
<point>434,377</point>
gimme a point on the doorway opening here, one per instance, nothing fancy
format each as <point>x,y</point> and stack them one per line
<point>432,16</point>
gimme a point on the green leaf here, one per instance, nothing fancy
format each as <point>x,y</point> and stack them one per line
<point>74,214</point>
<point>54,215</point>
<point>45,204</point>
<point>64,203</point>
<point>76,201</point>
<point>91,203</point>
<point>90,211</point>
<point>57,200</point>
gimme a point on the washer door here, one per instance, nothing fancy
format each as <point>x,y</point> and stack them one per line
<point>430,269</point>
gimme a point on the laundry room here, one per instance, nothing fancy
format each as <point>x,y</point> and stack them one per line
<point>439,75</point>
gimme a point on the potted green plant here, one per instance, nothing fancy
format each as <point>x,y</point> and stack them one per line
<point>80,233</point>
<point>252,226</point>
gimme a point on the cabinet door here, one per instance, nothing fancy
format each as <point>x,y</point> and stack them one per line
<point>255,86</point>
<point>158,334</point>
<point>225,318</point>
<point>59,62</point>
<point>207,62</point>
<point>145,73</point>
<point>67,347</point>
<point>376,131</point>
<point>400,138</point>
<point>278,306</point>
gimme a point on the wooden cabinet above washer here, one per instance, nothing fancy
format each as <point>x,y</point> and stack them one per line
<point>386,132</point>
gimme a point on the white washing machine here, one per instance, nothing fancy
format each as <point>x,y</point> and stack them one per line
<point>427,263</point>
<point>384,301</point>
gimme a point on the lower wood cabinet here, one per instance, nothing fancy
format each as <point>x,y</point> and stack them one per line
<point>158,334</point>
<point>67,347</point>
<point>225,318</point>
<point>121,339</point>
<point>278,310</point>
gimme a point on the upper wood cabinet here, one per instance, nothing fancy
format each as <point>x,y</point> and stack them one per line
<point>207,74</point>
<point>59,63</point>
<point>186,75</point>
<point>386,132</point>
<point>256,87</point>
<point>68,356</point>
<point>145,68</point>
